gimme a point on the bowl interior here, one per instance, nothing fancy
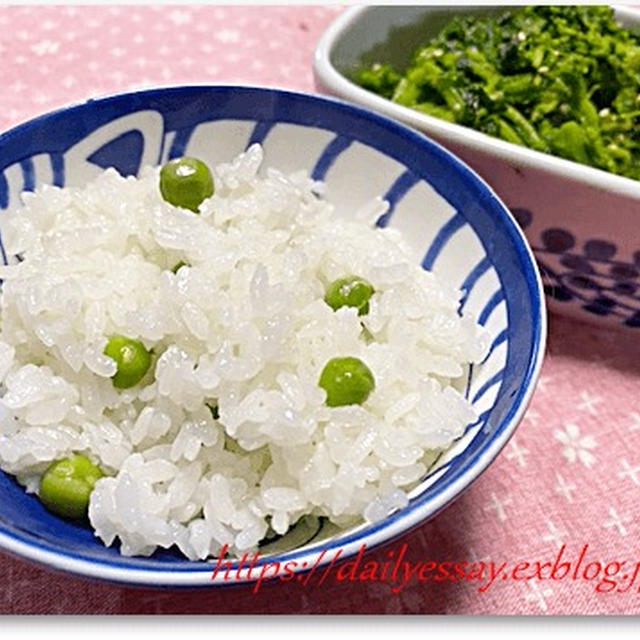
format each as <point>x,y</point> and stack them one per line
<point>391,34</point>
<point>458,226</point>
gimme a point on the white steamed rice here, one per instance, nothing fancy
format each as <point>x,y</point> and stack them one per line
<point>245,325</point>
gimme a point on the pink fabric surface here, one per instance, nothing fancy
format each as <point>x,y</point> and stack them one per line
<point>569,479</point>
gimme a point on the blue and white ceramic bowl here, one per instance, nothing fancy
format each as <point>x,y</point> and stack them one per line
<point>462,230</point>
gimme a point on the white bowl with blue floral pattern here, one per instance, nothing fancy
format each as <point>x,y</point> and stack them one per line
<point>462,230</point>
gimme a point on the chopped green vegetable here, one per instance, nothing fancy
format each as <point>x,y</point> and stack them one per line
<point>213,408</point>
<point>559,79</point>
<point>186,182</point>
<point>367,336</point>
<point>351,291</point>
<point>178,266</point>
<point>132,358</point>
<point>380,78</point>
<point>231,444</point>
<point>66,485</point>
<point>346,381</point>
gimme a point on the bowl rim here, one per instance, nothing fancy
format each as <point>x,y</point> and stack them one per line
<point>331,79</point>
<point>197,574</point>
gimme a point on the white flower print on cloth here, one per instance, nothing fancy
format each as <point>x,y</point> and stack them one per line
<point>576,447</point>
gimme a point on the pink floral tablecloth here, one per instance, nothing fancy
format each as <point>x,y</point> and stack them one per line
<point>562,495</point>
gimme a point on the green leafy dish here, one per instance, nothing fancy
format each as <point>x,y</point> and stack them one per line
<point>563,80</point>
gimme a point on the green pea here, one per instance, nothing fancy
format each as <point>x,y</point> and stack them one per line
<point>351,291</point>
<point>186,182</point>
<point>66,485</point>
<point>346,381</point>
<point>132,358</point>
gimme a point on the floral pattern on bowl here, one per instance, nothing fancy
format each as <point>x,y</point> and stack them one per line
<point>587,272</point>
